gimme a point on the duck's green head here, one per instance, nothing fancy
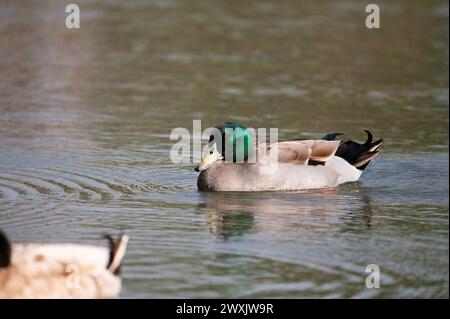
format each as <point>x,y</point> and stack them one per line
<point>230,142</point>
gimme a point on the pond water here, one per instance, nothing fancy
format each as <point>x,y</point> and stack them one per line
<point>86,115</point>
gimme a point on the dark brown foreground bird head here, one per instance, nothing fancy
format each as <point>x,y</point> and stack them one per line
<point>5,251</point>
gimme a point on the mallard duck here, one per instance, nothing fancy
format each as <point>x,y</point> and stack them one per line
<point>297,165</point>
<point>60,270</point>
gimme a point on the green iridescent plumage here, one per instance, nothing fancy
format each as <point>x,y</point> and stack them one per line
<point>237,142</point>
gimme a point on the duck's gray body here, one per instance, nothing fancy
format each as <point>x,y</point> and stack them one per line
<point>223,176</point>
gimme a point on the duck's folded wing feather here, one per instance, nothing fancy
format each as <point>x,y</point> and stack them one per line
<point>324,150</point>
<point>300,152</point>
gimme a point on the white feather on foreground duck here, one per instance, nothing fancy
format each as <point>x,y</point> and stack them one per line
<point>301,164</point>
<point>60,270</point>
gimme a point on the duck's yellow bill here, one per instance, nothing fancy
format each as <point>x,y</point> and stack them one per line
<point>210,156</point>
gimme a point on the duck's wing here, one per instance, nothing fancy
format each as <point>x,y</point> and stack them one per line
<point>302,151</point>
<point>56,258</point>
<point>39,259</point>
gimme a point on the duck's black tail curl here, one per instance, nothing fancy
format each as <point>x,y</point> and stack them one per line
<point>359,155</point>
<point>117,250</point>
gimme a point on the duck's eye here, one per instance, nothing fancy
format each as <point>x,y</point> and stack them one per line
<point>211,152</point>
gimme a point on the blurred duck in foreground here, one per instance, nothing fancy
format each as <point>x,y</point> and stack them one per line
<point>61,270</point>
<point>299,164</point>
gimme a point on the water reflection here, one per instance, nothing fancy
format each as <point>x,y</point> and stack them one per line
<point>231,215</point>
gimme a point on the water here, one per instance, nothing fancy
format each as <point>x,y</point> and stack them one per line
<point>85,119</point>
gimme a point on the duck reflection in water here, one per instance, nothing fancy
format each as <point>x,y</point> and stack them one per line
<point>293,214</point>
